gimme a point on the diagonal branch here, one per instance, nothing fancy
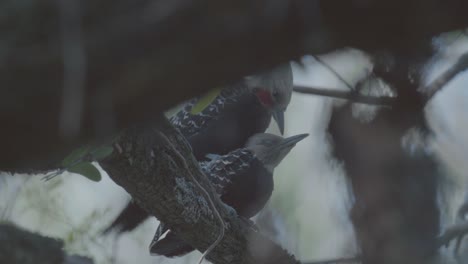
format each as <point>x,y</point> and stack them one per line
<point>332,70</point>
<point>437,85</point>
<point>148,166</point>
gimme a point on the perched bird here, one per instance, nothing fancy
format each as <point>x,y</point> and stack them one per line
<point>238,112</point>
<point>243,179</point>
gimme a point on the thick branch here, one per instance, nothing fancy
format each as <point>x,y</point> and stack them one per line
<point>150,169</point>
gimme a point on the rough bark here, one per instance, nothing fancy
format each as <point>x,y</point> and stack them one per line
<point>154,163</point>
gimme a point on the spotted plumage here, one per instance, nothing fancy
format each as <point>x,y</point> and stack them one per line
<point>243,179</point>
<point>225,124</point>
<point>191,124</point>
<point>221,169</point>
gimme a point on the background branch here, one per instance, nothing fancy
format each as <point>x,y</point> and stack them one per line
<point>437,85</point>
<point>350,96</point>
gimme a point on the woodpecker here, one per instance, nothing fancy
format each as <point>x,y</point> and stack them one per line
<point>238,112</point>
<point>242,178</point>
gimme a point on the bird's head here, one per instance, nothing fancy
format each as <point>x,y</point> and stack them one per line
<point>273,90</point>
<point>271,149</point>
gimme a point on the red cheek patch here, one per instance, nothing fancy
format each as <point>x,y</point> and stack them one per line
<point>264,97</point>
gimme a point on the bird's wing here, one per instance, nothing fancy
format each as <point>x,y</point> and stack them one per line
<point>190,124</point>
<point>221,170</point>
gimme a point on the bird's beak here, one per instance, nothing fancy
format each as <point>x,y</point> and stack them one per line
<point>278,115</point>
<point>291,141</point>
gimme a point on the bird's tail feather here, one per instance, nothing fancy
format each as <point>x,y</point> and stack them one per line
<point>170,246</point>
<point>132,216</point>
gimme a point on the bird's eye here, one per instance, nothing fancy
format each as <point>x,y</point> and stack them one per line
<point>275,94</point>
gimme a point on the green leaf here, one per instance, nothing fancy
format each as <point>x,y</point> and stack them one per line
<point>102,152</point>
<point>74,156</point>
<point>205,101</point>
<point>86,169</point>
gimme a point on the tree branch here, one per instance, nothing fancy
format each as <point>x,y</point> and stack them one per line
<point>149,168</point>
<point>437,85</point>
<point>430,90</point>
<point>351,96</point>
<point>333,71</point>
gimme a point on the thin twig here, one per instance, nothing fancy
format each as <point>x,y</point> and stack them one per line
<point>52,175</point>
<point>319,60</point>
<point>446,77</point>
<point>87,157</point>
<point>58,172</point>
<point>212,205</point>
<point>351,96</point>
<point>336,261</point>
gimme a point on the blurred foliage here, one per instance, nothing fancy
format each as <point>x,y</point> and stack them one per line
<point>205,101</point>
